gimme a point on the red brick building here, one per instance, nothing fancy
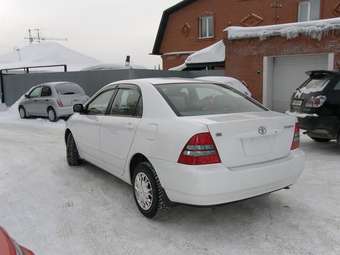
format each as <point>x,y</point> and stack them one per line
<point>263,43</point>
<point>192,25</point>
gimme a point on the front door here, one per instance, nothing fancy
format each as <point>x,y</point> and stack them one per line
<point>87,127</point>
<point>119,127</point>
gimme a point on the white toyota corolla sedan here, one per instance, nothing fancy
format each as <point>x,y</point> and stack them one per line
<point>185,141</point>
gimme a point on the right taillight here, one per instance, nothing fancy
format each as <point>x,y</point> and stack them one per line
<point>296,138</point>
<point>316,102</point>
<point>200,150</point>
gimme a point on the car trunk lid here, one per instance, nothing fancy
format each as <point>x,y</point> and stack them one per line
<point>250,138</point>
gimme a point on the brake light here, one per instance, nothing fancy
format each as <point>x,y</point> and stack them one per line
<point>296,138</point>
<point>200,150</point>
<point>60,103</point>
<point>316,102</point>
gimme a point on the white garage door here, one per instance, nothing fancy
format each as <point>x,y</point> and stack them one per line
<point>289,72</point>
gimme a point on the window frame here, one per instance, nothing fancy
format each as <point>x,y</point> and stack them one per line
<point>206,18</point>
<point>309,10</point>
<point>131,87</point>
<point>114,89</point>
<point>38,87</point>
<point>45,86</point>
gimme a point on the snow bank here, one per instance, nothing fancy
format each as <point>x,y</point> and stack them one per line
<point>47,53</point>
<point>11,115</point>
<point>314,29</point>
<point>211,54</point>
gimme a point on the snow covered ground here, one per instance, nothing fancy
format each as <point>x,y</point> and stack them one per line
<point>55,209</point>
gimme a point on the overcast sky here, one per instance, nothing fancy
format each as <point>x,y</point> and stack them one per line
<point>104,29</point>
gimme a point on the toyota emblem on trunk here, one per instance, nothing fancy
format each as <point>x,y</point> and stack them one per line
<point>262,130</point>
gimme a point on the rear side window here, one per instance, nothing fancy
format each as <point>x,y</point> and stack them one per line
<point>69,89</point>
<point>337,86</point>
<point>46,91</point>
<point>195,99</point>
<point>128,102</point>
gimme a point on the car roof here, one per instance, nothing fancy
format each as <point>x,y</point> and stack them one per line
<point>314,73</point>
<point>56,83</point>
<point>156,81</point>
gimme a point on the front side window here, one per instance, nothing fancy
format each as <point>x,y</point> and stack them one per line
<point>206,27</point>
<point>309,10</point>
<point>127,103</point>
<point>195,99</point>
<point>36,92</point>
<point>98,106</point>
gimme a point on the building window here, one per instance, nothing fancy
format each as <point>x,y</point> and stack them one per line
<point>309,10</point>
<point>206,27</point>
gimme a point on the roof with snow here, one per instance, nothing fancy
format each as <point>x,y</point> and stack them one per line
<point>314,29</point>
<point>213,54</point>
<point>46,53</point>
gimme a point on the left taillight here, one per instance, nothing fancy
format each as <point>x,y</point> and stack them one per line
<point>296,138</point>
<point>200,150</point>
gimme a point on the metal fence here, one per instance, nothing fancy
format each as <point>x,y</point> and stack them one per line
<point>15,85</point>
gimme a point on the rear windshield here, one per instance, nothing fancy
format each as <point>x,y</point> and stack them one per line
<point>315,85</point>
<point>69,89</point>
<point>194,99</point>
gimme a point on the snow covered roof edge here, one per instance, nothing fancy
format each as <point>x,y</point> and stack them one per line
<point>211,54</point>
<point>314,29</point>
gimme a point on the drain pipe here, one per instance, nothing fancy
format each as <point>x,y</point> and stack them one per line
<point>2,91</point>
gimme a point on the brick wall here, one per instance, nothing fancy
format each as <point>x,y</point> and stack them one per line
<point>245,57</point>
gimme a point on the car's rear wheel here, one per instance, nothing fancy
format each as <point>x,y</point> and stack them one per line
<point>147,190</point>
<point>320,140</point>
<point>72,154</point>
<point>22,112</point>
<point>52,115</point>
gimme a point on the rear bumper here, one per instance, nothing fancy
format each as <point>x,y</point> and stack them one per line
<point>321,127</point>
<point>64,111</point>
<point>216,184</point>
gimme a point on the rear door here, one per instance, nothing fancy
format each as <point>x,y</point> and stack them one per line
<point>44,101</point>
<point>333,98</point>
<point>119,127</point>
<point>87,127</point>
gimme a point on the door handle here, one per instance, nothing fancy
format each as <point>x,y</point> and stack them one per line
<point>129,125</point>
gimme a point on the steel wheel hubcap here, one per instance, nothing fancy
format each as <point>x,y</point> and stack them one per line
<point>143,191</point>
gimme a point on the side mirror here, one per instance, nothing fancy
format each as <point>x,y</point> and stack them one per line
<point>27,96</point>
<point>79,108</point>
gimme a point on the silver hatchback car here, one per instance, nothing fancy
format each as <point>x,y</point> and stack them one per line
<point>53,100</point>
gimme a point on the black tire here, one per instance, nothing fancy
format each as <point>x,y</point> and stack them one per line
<point>52,115</point>
<point>320,140</point>
<point>72,153</point>
<point>22,112</point>
<point>158,194</point>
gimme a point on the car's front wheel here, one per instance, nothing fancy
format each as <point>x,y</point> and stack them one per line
<point>147,190</point>
<point>72,154</point>
<point>52,115</point>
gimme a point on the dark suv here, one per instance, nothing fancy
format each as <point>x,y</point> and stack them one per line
<point>316,103</point>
